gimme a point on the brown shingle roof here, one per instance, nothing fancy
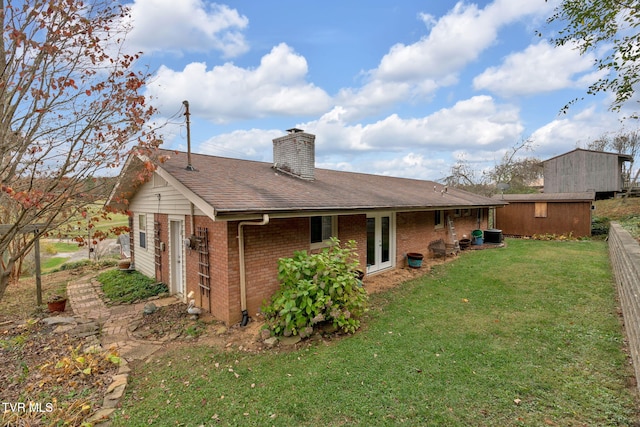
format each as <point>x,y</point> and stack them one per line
<point>234,186</point>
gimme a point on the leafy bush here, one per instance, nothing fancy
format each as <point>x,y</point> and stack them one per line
<point>315,288</point>
<point>96,265</point>
<point>600,226</point>
<point>553,236</point>
<point>129,286</point>
<point>72,265</point>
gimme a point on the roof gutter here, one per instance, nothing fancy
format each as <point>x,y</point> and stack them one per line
<point>243,273</point>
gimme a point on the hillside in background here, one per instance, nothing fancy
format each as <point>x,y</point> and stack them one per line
<point>625,211</point>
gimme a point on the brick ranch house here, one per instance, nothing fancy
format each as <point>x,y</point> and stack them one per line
<point>217,226</point>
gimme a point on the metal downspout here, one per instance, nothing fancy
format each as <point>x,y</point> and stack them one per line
<point>243,273</point>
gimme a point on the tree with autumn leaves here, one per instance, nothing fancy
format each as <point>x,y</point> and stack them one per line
<point>70,106</point>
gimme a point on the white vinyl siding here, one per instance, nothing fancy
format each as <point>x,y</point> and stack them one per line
<point>146,201</point>
<point>170,201</point>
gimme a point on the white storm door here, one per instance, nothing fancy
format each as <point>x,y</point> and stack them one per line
<point>380,241</point>
<point>177,258</point>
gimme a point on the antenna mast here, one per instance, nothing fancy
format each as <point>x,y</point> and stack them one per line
<point>187,114</point>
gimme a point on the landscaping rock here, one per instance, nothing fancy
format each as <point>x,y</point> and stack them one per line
<point>150,308</point>
<point>56,320</point>
<point>292,340</point>
<point>63,328</point>
<point>270,342</point>
<point>116,388</point>
<point>84,330</point>
<point>100,415</point>
<point>265,334</point>
<point>134,325</point>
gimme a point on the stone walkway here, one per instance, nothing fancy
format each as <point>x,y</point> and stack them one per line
<point>84,297</point>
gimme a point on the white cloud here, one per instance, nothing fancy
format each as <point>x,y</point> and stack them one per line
<point>255,144</point>
<point>411,165</point>
<point>227,92</point>
<point>454,40</point>
<point>565,134</point>
<point>539,68</point>
<point>477,121</point>
<point>475,125</point>
<point>186,25</point>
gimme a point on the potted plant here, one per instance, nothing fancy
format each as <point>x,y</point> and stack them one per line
<point>56,303</point>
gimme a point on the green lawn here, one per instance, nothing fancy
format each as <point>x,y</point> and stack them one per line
<point>58,247</point>
<point>78,226</point>
<point>522,336</point>
<point>50,264</point>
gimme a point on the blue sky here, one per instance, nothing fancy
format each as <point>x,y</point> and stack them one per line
<point>397,88</point>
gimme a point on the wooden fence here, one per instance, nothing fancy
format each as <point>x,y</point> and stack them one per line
<point>624,252</point>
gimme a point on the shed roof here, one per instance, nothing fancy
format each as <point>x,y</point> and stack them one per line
<point>548,197</point>
<point>235,187</point>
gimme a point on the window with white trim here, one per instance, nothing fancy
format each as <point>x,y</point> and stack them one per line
<point>142,230</point>
<point>322,229</point>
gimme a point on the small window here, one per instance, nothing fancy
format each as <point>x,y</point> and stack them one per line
<point>438,219</point>
<point>158,181</point>
<point>142,228</point>
<point>322,229</point>
<point>466,212</point>
<point>541,209</point>
<point>457,213</point>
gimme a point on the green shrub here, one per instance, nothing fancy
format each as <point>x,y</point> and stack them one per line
<point>72,265</point>
<point>129,286</point>
<point>315,288</point>
<point>600,226</point>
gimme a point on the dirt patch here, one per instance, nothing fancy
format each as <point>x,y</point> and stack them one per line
<point>389,279</point>
<point>20,302</point>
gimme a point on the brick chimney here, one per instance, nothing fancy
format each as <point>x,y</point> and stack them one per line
<point>294,154</point>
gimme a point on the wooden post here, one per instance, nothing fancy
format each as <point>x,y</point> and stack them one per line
<point>31,228</point>
<point>36,247</point>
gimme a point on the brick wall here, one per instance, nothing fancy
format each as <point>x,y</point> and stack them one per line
<point>624,252</point>
<point>264,245</point>
<point>218,267</point>
<point>354,227</point>
<point>415,230</point>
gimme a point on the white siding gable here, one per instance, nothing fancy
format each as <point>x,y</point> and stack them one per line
<point>155,196</point>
